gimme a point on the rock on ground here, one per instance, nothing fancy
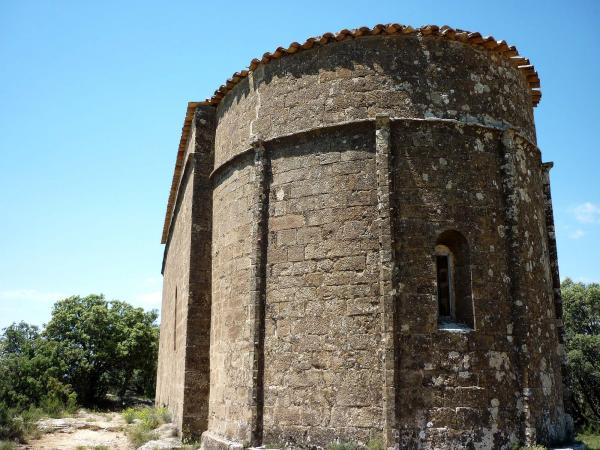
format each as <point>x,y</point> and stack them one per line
<point>167,430</point>
<point>85,430</point>
<point>162,444</point>
<point>70,424</point>
<point>91,430</point>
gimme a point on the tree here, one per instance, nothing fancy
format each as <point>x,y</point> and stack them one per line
<point>105,345</point>
<point>90,347</point>
<point>30,374</point>
<point>581,304</point>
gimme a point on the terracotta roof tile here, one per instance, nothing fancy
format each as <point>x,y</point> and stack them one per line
<point>475,39</point>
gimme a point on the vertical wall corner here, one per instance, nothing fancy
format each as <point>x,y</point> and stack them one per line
<point>197,351</point>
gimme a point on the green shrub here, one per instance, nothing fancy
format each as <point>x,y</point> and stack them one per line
<point>149,417</point>
<point>129,415</point>
<point>18,425</point>
<point>581,315</point>
<point>30,418</point>
<point>342,446</point>
<point>163,414</point>
<point>143,420</point>
<point>138,434</point>
<point>56,407</point>
<point>89,348</point>
<point>590,439</point>
<point>6,445</point>
<point>375,444</point>
<point>29,373</point>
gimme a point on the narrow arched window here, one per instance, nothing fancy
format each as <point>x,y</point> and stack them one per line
<point>453,277</point>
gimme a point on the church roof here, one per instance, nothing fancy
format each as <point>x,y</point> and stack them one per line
<point>488,43</point>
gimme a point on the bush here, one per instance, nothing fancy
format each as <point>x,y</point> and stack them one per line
<point>149,417</point>
<point>163,414</point>
<point>143,421</point>
<point>55,407</point>
<point>29,373</point>
<point>138,434</point>
<point>89,348</point>
<point>375,444</point>
<point>590,439</point>
<point>18,425</point>
<point>582,338</point>
<point>129,415</point>
<point>342,446</point>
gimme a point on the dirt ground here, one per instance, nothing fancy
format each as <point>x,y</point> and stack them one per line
<point>86,430</point>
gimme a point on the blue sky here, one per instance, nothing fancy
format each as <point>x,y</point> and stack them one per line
<point>93,96</point>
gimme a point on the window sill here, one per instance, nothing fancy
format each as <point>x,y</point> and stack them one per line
<point>453,327</point>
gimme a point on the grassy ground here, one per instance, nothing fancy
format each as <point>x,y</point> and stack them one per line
<point>142,422</point>
<point>592,440</point>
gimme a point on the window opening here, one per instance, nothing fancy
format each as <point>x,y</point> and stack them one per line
<point>453,277</point>
<point>443,285</point>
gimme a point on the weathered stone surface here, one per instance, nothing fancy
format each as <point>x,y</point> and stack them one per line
<point>162,444</point>
<point>166,430</point>
<point>337,175</point>
<point>183,373</point>
<point>71,424</point>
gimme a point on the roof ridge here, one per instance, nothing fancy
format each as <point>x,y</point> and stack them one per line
<point>489,43</point>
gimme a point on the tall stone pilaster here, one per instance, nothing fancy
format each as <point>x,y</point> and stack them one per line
<point>256,314</point>
<point>386,276</point>
<point>518,294</point>
<point>197,358</point>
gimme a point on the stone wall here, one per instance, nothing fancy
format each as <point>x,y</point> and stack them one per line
<point>454,386</point>
<point>537,333</point>
<point>175,296</point>
<point>198,315</point>
<point>336,172</point>
<point>322,355</point>
<point>231,339</point>
<point>184,363</point>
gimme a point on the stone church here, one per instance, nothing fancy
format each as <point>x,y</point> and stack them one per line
<point>359,247</point>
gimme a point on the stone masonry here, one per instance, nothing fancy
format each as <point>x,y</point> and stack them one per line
<point>360,248</point>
